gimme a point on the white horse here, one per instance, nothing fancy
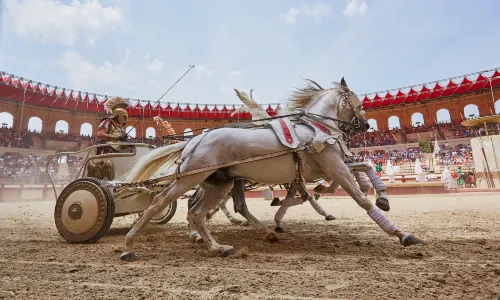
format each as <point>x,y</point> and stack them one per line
<point>360,171</point>
<point>215,159</point>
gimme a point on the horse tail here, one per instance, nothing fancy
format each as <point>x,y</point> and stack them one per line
<point>163,158</point>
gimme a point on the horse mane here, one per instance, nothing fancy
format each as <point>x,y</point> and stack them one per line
<point>301,97</point>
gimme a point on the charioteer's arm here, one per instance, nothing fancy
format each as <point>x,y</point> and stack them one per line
<point>104,136</point>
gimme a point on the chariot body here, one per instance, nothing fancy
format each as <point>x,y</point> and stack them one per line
<point>86,207</point>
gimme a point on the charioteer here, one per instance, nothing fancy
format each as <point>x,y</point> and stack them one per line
<point>111,129</point>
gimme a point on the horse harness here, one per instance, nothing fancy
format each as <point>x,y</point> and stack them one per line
<point>331,136</point>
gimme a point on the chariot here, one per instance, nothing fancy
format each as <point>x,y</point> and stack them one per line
<point>86,207</point>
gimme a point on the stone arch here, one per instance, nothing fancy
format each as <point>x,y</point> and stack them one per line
<point>35,124</point>
<point>150,132</point>
<point>394,122</point>
<point>497,107</point>
<point>132,132</point>
<point>471,111</point>
<point>373,125</point>
<point>6,120</point>
<point>188,131</point>
<point>443,116</point>
<point>62,127</point>
<point>86,129</point>
<point>417,119</point>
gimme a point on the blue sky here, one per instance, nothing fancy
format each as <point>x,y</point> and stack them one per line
<point>138,48</point>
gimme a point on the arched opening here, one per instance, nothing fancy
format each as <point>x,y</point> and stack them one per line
<point>497,107</point>
<point>471,111</point>
<point>394,122</point>
<point>150,133</point>
<point>188,131</point>
<point>62,127</point>
<point>132,132</point>
<point>6,120</point>
<point>86,129</point>
<point>443,116</point>
<point>35,124</point>
<point>373,125</point>
<point>417,119</point>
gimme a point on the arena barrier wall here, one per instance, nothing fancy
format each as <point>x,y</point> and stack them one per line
<point>46,193</point>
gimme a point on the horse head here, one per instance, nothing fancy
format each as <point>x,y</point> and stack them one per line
<point>339,106</point>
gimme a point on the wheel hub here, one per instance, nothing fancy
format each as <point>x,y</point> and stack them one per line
<point>75,211</point>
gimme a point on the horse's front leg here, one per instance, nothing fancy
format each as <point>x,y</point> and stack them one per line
<point>335,168</point>
<point>380,188</point>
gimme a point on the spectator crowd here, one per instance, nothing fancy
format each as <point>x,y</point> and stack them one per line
<point>15,168</point>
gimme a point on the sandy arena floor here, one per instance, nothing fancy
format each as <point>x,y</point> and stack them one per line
<point>349,258</point>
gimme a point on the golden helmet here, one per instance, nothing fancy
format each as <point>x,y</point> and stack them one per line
<point>117,106</point>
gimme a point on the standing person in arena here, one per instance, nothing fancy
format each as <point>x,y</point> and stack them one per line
<point>378,168</point>
<point>111,129</point>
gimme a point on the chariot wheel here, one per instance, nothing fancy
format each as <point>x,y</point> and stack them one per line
<point>166,215</point>
<point>84,211</point>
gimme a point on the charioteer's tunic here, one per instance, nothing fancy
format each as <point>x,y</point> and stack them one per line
<point>115,132</point>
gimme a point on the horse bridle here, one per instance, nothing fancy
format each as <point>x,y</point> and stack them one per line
<point>358,110</point>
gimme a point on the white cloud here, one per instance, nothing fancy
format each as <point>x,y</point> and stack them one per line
<point>51,22</point>
<point>317,11</point>
<point>290,17</point>
<point>155,66</point>
<point>355,7</point>
<point>127,54</point>
<point>31,64</point>
<point>146,57</point>
<point>236,73</point>
<point>83,74</point>
<point>202,70</point>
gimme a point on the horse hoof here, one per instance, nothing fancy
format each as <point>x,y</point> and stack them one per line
<point>279,230</point>
<point>128,256</point>
<point>383,204</point>
<point>272,237</point>
<point>276,202</point>
<point>330,218</point>
<point>409,240</point>
<point>225,251</point>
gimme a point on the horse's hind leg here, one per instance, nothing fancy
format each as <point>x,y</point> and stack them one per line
<point>240,206</point>
<point>210,198</point>
<point>193,234</point>
<point>224,209</point>
<point>160,202</point>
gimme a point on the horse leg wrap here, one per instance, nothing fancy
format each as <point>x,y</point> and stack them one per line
<point>318,207</point>
<point>376,181</point>
<point>382,220</point>
<point>280,214</point>
<point>364,184</point>
<point>287,202</point>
